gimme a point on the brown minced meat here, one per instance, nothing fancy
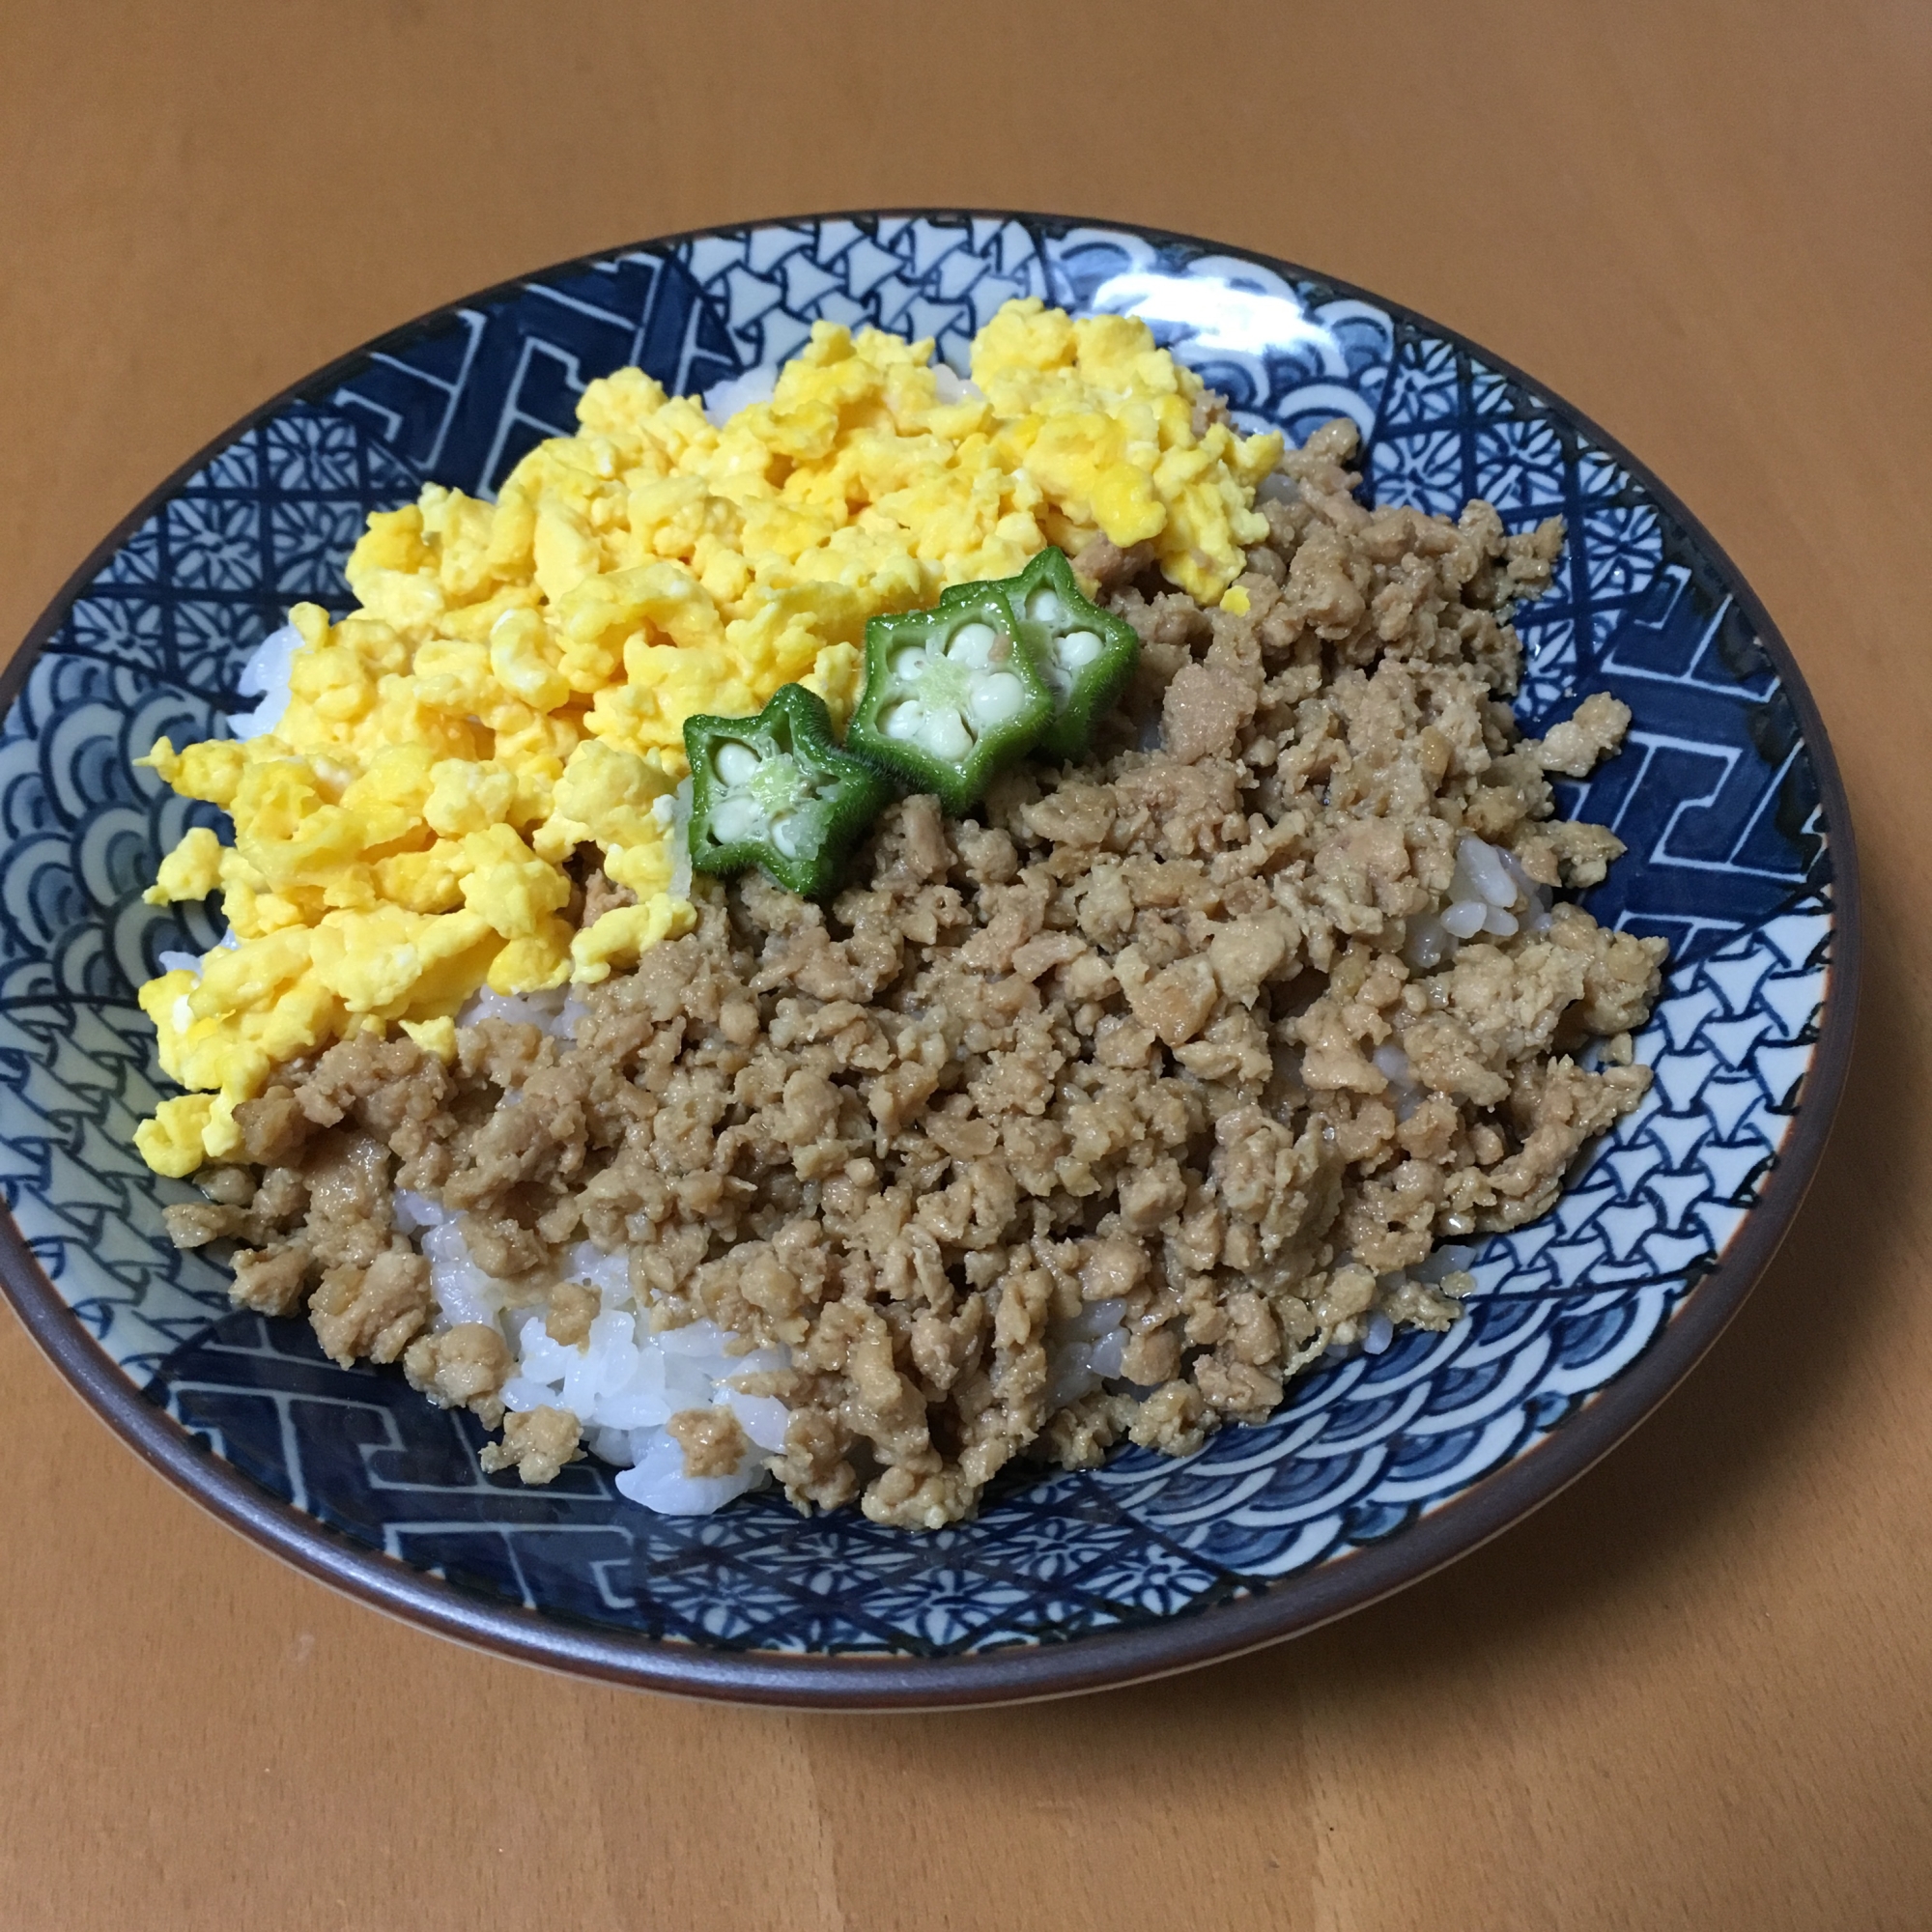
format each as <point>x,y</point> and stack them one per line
<point>1112,1038</point>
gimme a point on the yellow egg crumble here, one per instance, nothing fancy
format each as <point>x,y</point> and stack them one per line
<point>516,681</point>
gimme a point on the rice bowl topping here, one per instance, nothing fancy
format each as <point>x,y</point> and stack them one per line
<point>1092,1112</point>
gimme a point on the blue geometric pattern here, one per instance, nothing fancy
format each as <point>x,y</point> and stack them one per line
<point>1714,849</point>
<point>478,389</point>
<point>1715,796</point>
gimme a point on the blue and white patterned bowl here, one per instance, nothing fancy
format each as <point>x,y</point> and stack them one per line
<point>1376,1471</point>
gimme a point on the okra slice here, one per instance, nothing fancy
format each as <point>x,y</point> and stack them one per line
<point>1085,655</point>
<point>776,792</point>
<point>950,696</point>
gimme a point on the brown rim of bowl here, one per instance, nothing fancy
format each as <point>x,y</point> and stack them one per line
<point>1225,1628</point>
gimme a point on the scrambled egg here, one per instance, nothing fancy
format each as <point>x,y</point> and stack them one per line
<point>515,684</point>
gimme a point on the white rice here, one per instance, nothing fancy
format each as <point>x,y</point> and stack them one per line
<point>949,386</point>
<point>625,1381</point>
<point>1392,1063</point>
<point>1371,1333</point>
<point>624,1384</point>
<point>1489,894</point>
<point>556,1012</point>
<point>723,400</point>
<point>171,962</point>
<point>673,813</point>
<point>266,675</point>
<point>1084,1354</point>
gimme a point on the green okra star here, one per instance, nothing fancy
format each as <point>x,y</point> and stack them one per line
<point>950,697</point>
<point>776,792</point>
<point>1085,655</point>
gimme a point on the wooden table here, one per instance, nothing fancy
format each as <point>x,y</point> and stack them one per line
<point>1696,1691</point>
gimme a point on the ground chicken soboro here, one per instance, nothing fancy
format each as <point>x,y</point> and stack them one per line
<point>1124,1037</point>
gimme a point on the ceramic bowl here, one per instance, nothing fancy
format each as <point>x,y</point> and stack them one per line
<point>1377,1469</point>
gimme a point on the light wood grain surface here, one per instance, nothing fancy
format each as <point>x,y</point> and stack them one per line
<point>1696,1691</point>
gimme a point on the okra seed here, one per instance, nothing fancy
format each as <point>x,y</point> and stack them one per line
<point>1077,648</point>
<point>735,763</point>
<point>1044,607</point>
<point>995,699</point>
<point>973,644</point>
<point>788,836</point>
<point>903,719</point>
<point>736,819</point>
<point>945,734</point>
<point>909,666</point>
